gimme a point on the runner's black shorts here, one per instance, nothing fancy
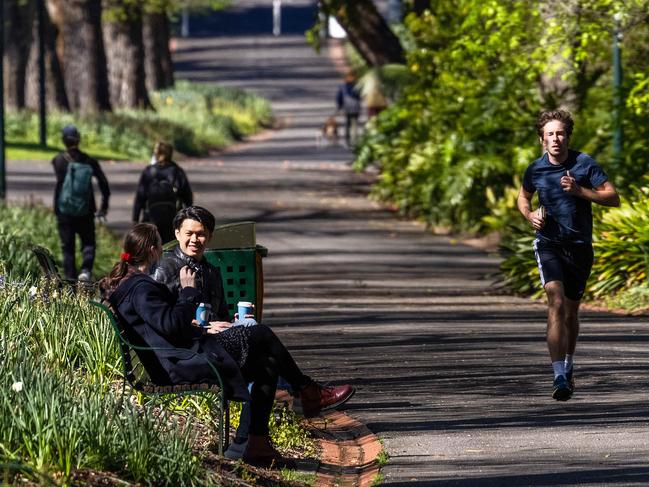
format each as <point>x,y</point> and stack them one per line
<point>567,262</point>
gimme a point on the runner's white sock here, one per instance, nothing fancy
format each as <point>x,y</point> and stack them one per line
<point>567,363</point>
<point>559,368</point>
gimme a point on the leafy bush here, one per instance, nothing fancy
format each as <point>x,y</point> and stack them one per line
<point>22,226</point>
<point>479,74</point>
<point>61,408</point>
<point>57,413</point>
<point>192,117</point>
<point>621,245</point>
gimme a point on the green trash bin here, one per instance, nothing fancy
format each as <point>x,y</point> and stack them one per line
<point>243,276</point>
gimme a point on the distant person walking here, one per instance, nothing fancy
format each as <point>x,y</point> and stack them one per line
<point>348,100</point>
<point>163,189</point>
<point>74,203</point>
<point>567,182</point>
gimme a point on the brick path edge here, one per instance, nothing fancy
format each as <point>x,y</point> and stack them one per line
<point>349,449</point>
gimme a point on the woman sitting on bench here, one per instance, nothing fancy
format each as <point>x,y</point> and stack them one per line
<point>185,350</point>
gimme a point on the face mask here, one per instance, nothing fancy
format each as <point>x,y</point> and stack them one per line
<point>153,159</point>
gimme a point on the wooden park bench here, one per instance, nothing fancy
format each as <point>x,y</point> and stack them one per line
<point>140,377</point>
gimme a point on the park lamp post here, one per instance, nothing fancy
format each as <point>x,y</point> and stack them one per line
<point>617,91</point>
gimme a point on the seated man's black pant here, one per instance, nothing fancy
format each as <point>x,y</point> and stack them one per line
<point>267,359</point>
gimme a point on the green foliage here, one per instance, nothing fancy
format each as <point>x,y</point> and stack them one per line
<point>60,399</point>
<point>519,269</point>
<point>378,479</point>
<point>463,126</point>
<point>287,431</point>
<point>192,117</point>
<point>621,245</point>
<point>632,300</point>
<point>22,226</point>
<point>217,115</point>
<point>382,458</point>
<point>297,476</point>
<point>57,411</point>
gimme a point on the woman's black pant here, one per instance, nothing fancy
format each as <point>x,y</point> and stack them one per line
<point>267,359</point>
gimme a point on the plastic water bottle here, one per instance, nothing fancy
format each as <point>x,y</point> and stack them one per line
<point>203,314</point>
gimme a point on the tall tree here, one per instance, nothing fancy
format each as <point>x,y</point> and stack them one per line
<point>157,55</point>
<point>80,48</point>
<point>125,53</point>
<point>18,38</point>
<point>56,97</point>
<point>367,30</point>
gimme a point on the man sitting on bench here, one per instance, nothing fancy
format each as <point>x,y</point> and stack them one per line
<point>187,352</point>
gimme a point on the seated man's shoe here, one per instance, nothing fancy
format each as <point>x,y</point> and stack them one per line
<point>316,398</point>
<point>260,453</point>
<point>236,448</point>
<point>561,389</point>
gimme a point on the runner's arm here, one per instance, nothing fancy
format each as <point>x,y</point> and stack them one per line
<point>524,204</point>
<point>605,194</point>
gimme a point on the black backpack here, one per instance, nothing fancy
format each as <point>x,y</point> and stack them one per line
<point>161,194</point>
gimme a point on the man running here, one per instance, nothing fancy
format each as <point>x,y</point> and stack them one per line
<point>567,182</point>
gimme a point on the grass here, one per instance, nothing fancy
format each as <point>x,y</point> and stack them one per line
<point>378,479</point>
<point>297,476</point>
<point>382,458</point>
<point>193,117</point>
<point>23,225</point>
<point>61,410</point>
<point>60,401</point>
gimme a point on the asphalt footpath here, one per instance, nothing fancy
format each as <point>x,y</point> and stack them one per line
<point>451,373</point>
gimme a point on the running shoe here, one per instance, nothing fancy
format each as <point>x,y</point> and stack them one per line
<point>571,381</point>
<point>561,389</point>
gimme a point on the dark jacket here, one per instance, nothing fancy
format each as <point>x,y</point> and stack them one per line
<point>348,98</point>
<point>173,173</point>
<point>60,164</point>
<point>156,319</point>
<point>208,280</point>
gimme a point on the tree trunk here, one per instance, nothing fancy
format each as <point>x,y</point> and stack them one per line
<point>125,52</point>
<point>157,56</point>
<point>81,53</point>
<point>367,30</point>
<point>17,41</point>
<point>55,95</point>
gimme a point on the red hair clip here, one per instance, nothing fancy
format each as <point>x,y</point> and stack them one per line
<point>125,256</point>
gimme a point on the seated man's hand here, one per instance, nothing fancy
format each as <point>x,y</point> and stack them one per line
<point>187,277</point>
<point>217,327</point>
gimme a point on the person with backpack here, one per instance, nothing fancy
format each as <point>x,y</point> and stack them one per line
<point>162,191</point>
<point>348,100</point>
<point>74,203</point>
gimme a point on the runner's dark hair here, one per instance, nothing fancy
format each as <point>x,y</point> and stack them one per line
<point>559,115</point>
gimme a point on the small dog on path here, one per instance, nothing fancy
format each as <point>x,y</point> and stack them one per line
<point>328,133</point>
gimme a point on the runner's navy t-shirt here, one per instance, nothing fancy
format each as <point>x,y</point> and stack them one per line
<point>569,218</point>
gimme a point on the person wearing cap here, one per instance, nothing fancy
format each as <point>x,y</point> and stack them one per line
<point>71,224</point>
